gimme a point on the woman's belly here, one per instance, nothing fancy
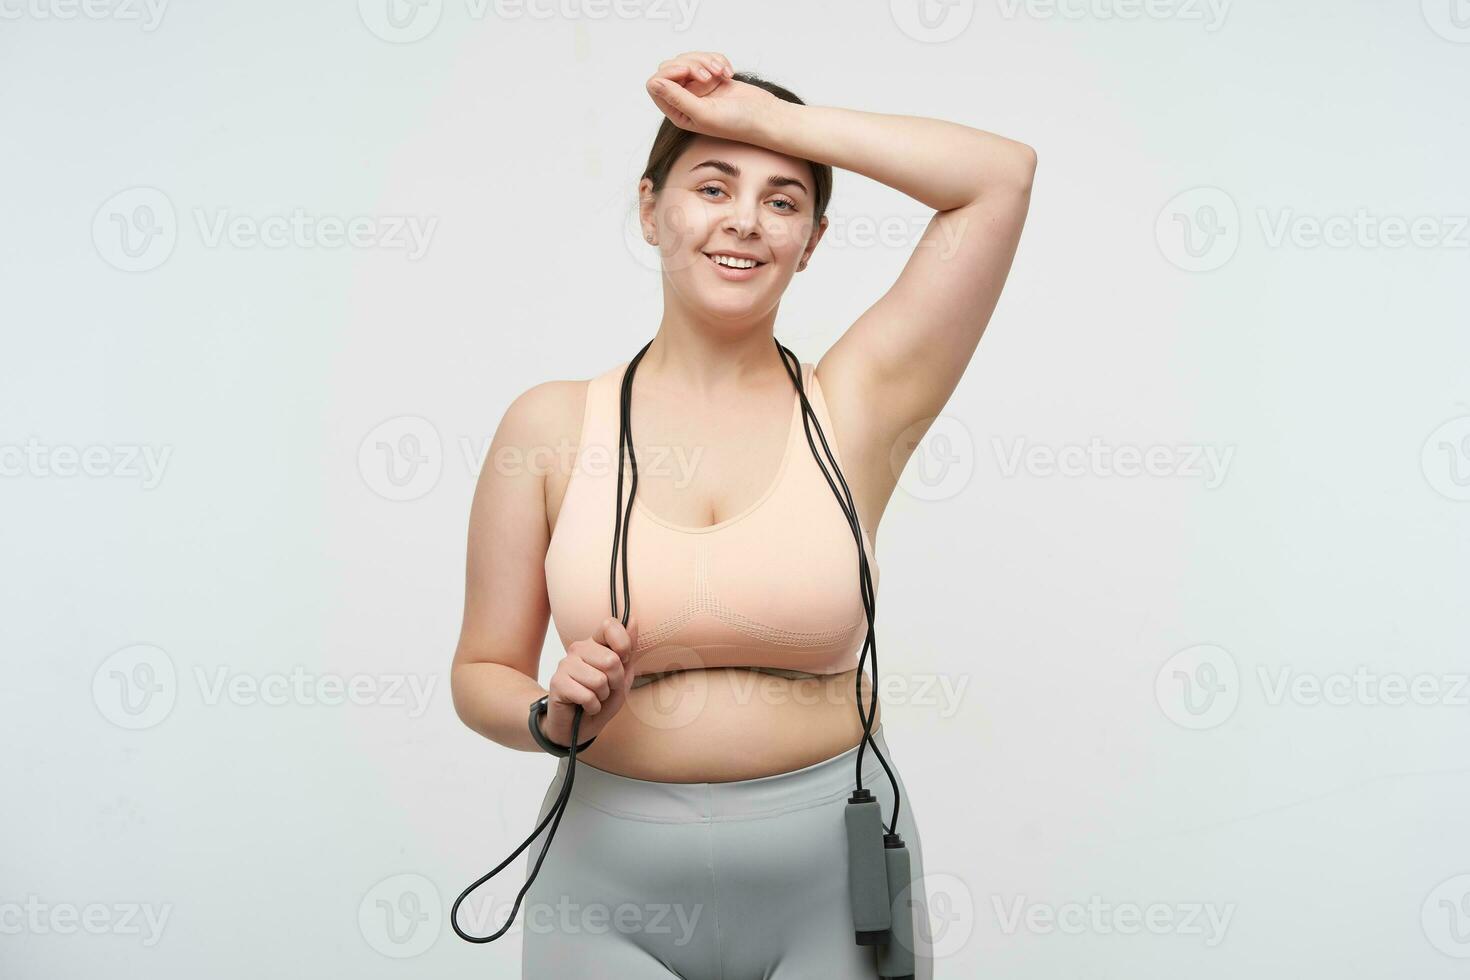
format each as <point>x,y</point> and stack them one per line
<point>717,724</point>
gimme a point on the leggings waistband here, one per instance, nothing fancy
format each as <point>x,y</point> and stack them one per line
<point>664,802</point>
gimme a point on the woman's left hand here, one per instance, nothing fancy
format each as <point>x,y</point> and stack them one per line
<point>697,92</point>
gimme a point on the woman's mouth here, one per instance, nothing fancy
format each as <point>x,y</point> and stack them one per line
<point>729,267</point>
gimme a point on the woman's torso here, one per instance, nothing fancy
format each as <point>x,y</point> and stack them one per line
<point>743,578</point>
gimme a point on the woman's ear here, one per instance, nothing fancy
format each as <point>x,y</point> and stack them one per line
<point>811,245</point>
<point>647,200</point>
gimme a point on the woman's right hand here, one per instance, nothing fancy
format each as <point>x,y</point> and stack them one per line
<point>594,674</point>
<point>698,92</point>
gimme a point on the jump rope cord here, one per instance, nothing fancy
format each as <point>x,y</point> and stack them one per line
<point>621,522</point>
<point>865,580</point>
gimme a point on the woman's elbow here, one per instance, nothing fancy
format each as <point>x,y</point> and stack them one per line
<point>1022,169</point>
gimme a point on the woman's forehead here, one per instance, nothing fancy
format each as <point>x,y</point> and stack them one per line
<point>738,160</point>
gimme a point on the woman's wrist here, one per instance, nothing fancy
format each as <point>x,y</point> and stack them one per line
<point>537,713</point>
<point>491,699</point>
<point>774,118</point>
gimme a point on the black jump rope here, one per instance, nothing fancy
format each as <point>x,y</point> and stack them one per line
<point>878,861</point>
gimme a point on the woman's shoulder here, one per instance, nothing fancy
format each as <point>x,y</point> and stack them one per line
<point>546,413</point>
<point>550,413</point>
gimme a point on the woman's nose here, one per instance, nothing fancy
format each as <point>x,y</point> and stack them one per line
<point>741,220</point>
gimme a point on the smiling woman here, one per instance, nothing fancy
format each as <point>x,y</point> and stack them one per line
<point>795,191</point>
<point>733,765</point>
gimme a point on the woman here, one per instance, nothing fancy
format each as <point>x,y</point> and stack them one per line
<point>704,835</point>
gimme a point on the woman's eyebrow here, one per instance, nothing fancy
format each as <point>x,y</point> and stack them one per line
<point>775,180</point>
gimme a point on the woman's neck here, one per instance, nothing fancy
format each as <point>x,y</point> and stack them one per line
<point>692,359</point>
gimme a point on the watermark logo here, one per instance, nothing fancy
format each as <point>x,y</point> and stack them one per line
<point>300,687</point>
<point>1363,687</point>
<point>938,463</point>
<point>674,919</point>
<point>675,701</point>
<point>1198,687</point>
<point>1445,459</point>
<point>126,461</point>
<point>401,21</point>
<point>1205,463</point>
<point>1450,19</point>
<point>147,14</point>
<point>1205,920</point>
<point>1199,229</point>
<point>39,918</point>
<point>932,21</point>
<point>1362,229</point>
<point>400,916</point>
<point>1210,13</point>
<point>136,687</point>
<point>594,458</point>
<point>946,913</point>
<point>1445,917</point>
<point>895,232</point>
<point>402,458</point>
<point>406,21</point>
<point>299,228</point>
<point>136,229</point>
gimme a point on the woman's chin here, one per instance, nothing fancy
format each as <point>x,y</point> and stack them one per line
<point>729,308</point>
<point>724,304</point>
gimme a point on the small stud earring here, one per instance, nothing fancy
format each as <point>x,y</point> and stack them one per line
<point>649,236</point>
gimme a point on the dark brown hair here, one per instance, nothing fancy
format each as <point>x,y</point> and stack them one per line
<point>671,141</point>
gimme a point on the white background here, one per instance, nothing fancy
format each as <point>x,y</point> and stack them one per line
<point>1080,615</point>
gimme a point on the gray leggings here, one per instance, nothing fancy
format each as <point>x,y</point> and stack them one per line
<point>740,880</point>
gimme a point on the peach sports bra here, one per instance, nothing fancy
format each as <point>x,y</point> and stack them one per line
<point>775,587</point>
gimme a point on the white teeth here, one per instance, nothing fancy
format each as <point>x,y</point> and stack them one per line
<point>734,263</point>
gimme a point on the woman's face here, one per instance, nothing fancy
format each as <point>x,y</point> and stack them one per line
<point>731,198</point>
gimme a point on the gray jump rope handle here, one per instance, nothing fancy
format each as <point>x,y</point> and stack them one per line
<point>867,868</point>
<point>896,957</point>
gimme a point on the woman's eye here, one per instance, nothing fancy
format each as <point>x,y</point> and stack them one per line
<point>788,206</point>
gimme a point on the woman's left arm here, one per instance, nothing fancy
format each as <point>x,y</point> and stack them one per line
<point>898,364</point>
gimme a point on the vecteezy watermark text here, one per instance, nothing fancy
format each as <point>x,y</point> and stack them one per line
<point>137,687</point>
<point>137,229</point>
<point>1211,13</point>
<point>148,14</point>
<point>1096,458</point>
<point>1200,229</point>
<point>39,918</point>
<point>1097,917</point>
<point>1200,687</point>
<point>407,21</point>
<point>124,461</point>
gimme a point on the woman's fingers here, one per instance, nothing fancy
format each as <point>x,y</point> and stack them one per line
<point>704,66</point>
<point>612,634</point>
<point>590,677</point>
<point>692,78</point>
<point>711,61</point>
<point>677,100</point>
<point>571,692</point>
<point>719,65</point>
